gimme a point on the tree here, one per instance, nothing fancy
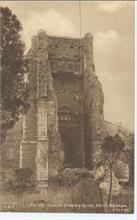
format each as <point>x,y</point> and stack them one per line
<point>129,157</point>
<point>14,91</point>
<point>112,146</point>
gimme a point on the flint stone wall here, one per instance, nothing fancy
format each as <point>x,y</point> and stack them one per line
<point>41,121</point>
<point>61,73</point>
<point>93,105</point>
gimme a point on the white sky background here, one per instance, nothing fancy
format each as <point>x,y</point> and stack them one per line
<point>112,25</point>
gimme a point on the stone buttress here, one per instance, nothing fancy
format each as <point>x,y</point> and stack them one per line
<point>41,120</point>
<point>93,106</point>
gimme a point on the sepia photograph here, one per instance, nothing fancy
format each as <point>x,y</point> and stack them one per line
<point>67,107</point>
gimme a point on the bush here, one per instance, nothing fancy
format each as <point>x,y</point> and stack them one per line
<point>23,179</point>
<point>71,176</point>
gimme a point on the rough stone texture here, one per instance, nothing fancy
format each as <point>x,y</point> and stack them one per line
<point>93,105</point>
<point>41,121</point>
<point>64,58</point>
<point>122,171</point>
<point>29,138</point>
<point>55,151</point>
<point>88,194</point>
<point>63,84</point>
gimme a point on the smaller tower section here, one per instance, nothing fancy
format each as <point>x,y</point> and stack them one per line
<point>93,106</point>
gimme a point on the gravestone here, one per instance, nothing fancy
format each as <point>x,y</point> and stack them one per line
<point>88,195</point>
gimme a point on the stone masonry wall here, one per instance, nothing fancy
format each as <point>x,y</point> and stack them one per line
<point>64,54</point>
<point>29,138</point>
<point>56,79</point>
<point>41,120</point>
<point>64,58</point>
<point>93,105</point>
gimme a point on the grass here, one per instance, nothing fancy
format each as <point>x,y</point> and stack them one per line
<point>59,199</point>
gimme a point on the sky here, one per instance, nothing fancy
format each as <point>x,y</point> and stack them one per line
<point>112,25</point>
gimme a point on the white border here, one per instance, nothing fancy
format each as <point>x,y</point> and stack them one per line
<point>76,216</point>
<point>65,216</point>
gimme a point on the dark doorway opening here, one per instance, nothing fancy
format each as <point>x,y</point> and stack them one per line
<point>70,136</point>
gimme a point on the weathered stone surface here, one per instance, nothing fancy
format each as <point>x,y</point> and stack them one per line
<point>74,87</point>
<point>55,152</point>
<point>88,194</point>
<point>27,155</point>
<point>41,122</point>
<point>47,94</point>
<point>93,104</point>
<point>61,75</point>
<point>122,171</point>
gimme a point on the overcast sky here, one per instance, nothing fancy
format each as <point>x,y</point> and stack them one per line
<point>112,25</point>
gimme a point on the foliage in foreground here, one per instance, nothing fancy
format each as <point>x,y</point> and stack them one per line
<point>14,91</point>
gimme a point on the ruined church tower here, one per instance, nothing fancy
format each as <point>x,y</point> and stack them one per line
<point>64,125</point>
